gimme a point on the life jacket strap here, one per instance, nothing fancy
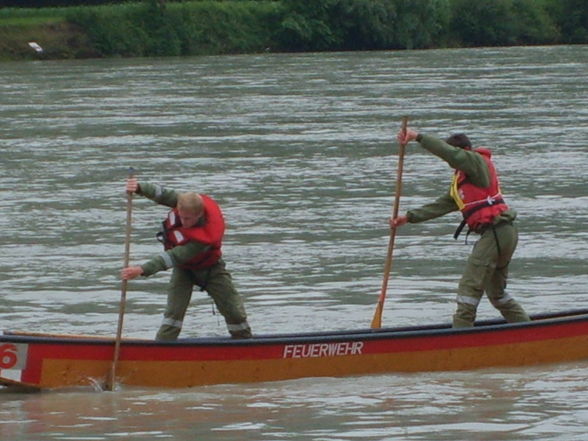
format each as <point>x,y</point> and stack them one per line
<point>459,229</point>
<point>161,236</point>
<point>486,203</point>
<point>466,214</point>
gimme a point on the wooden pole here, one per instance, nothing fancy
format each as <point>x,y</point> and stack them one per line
<point>377,319</point>
<point>111,380</point>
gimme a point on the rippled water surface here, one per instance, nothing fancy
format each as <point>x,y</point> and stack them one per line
<point>300,152</point>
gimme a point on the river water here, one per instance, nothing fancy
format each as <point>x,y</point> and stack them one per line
<point>299,149</point>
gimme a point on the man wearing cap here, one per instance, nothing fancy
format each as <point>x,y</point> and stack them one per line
<point>475,191</point>
<point>192,234</point>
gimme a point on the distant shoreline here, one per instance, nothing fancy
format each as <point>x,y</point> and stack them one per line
<point>155,28</point>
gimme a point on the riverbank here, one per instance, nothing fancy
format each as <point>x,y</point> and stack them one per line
<point>139,29</point>
<point>153,28</point>
<point>58,40</point>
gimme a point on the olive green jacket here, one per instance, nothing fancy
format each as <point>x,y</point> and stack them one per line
<point>469,162</point>
<point>177,255</point>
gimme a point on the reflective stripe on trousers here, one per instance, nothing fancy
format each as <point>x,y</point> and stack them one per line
<point>476,301</point>
<point>238,327</point>
<point>171,322</point>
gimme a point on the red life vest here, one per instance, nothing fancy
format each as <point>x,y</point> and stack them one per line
<point>211,234</point>
<point>479,206</point>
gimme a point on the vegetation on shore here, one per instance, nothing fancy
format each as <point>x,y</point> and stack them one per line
<point>160,28</point>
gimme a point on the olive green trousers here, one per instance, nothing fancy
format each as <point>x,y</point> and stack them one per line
<point>487,271</point>
<point>217,282</point>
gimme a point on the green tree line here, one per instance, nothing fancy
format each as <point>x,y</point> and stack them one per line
<point>418,24</point>
<point>160,28</point>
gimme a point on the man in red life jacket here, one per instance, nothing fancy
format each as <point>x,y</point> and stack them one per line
<point>192,235</point>
<point>475,191</point>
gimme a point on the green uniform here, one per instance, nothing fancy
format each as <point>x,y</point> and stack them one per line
<point>215,280</point>
<point>487,267</point>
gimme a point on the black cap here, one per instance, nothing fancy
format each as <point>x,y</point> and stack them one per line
<point>459,140</point>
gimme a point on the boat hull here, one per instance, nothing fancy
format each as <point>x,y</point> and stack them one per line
<point>47,361</point>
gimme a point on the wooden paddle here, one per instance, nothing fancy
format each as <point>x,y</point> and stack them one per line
<point>377,320</point>
<point>111,380</point>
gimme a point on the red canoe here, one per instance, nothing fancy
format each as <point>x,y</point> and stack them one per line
<point>55,361</point>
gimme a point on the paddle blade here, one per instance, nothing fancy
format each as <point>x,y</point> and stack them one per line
<point>377,319</point>
<point>110,381</point>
